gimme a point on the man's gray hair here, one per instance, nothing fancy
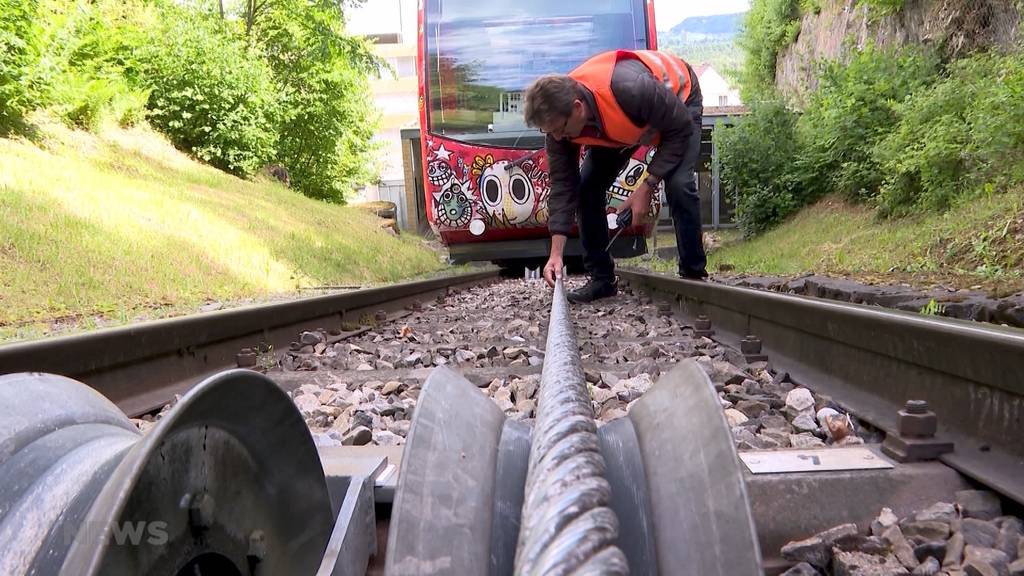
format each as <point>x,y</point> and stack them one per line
<point>550,98</point>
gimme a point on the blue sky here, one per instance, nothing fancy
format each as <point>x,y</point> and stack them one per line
<point>383,15</point>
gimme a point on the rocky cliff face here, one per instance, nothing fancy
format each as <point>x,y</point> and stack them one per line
<point>954,26</point>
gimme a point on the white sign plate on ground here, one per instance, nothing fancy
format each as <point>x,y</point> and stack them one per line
<point>830,459</point>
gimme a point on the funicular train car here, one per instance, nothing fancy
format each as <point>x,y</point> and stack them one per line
<point>485,173</point>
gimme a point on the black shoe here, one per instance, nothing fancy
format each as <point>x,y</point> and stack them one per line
<point>699,276</point>
<point>593,290</point>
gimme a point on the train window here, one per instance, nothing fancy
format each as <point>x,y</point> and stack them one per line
<point>481,56</point>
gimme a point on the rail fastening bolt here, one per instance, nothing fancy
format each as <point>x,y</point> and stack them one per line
<point>917,421</point>
<point>916,407</point>
<point>750,345</point>
<point>703,323</point>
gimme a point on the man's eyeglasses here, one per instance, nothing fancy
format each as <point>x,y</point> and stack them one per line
<point>560,131</point>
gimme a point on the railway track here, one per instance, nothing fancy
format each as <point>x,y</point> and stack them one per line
<point>373,372</point>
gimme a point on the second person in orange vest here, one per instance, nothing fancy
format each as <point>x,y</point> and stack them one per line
<point>613,103</point>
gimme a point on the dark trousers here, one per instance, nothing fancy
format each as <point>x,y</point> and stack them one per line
<point>600,168</point>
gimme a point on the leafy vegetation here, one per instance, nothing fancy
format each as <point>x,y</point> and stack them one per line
<point>962,137</point>
<point>18,31</point>
<point>236,83</point>
<point>852,109</point>
<point>757,156</point>
<point>892,130</point>
<point>324,136</point>
<point>768,28</point>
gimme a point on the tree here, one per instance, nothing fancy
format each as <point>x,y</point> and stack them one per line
<point>325,135</point>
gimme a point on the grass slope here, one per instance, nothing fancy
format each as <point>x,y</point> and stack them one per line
<point>979,242</point>
<point>120,224</point>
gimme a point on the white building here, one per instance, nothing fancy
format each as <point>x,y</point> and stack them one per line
<point>716,90</point>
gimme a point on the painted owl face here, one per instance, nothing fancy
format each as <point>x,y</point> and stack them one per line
<point>628,181</point>
<point>439,172</point>
<point>508,195</point>
<point>452,206</point>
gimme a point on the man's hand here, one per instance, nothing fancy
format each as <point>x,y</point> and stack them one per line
<point>553,269</point>
<point>640,201</point>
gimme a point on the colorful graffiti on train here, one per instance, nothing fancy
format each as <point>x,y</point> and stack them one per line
<point>500,189</point>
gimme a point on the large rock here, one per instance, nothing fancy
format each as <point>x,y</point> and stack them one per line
<point>979,533</point>
<point>901,548</point>
<point>775,422</point>
<point>980,504</point>
<point>941,512</point>
<point>800,400</point>
<point>817,550</point>
<point>954,551</point>
<point>885,519</point>
<point>861,564</point>
<point>805,441</point>
<point>981,561</point>
<point>805,423</point>
<point>752,408</point>
<point>1009,539</point>
<point>307,404</point>
<point>359,436</point>
<point>925,531</point>
<point>735,417</point>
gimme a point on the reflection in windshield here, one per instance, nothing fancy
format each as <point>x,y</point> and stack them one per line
<point>480,61</point>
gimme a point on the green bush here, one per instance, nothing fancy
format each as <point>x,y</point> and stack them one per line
<point>17,49</point>
<point>757,158</point>
<point>325,136</point>
<point>963,135</point>
<point>209,93</point>
<point>86,101</point>
<point>768,28</point>
<point>852,109</point>
<point>85,54</point>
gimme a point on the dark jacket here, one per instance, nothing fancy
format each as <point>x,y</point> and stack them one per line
<point>646,102</point>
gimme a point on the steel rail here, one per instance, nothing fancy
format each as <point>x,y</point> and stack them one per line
<point>567,524</point>
<point>873,360</point>
<point>141,367</point>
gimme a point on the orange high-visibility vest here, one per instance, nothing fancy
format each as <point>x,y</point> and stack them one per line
<point>596,75</point>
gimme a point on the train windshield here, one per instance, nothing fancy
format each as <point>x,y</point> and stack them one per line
<point>482,55</point>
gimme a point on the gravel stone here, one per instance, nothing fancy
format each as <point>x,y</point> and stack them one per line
<point>885,519</point>
<point>800,400</point>
<point>1009,538</point>
<point>359,436</point>
<point>980,504</point>
<point>817,550</point>
<point>735,417</point>
<point>979,533</point>
<point>927,531</point>
<point>805,441</point>
<point>982,561</point>
<point>929,567</point>
<point>901,547</point>
<point>861,564</point>
<point>954,551</point>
